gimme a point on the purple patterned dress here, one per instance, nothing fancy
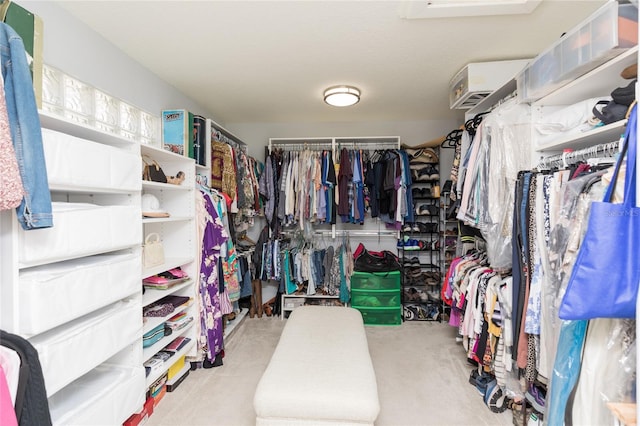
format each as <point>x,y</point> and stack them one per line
<point>211,315</point>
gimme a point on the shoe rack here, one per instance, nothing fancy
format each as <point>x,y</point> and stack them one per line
<point>419,247</point>
<point>449,234</point>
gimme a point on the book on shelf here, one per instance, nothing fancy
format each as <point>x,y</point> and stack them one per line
<point>199,139</point>
<point>30,28</point>
<point>177,344</point>
<point>177,131</point>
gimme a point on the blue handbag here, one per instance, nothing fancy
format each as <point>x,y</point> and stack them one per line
<point>605,277</point>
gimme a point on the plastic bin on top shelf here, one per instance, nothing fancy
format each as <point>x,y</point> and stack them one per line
<point>605,34</point>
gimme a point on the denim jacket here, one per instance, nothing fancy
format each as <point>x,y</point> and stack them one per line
<point>35,209</point>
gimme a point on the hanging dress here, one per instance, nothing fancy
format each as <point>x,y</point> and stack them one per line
<point>210,313</point>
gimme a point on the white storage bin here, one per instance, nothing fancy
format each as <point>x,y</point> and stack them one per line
<point>605,34</point>
<point>80,230</point>
<point>80,286</point>
<point>107,395</point>
<point>80,163</point>
<point>71,350</point>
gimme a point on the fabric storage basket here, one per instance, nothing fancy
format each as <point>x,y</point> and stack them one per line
<point>375,298</point>
<point>376,280</point>
<point>100,394</point>
<point>71,350</point>
<point>76,162</point>
<point>80,285</point>
<point>80,230</point>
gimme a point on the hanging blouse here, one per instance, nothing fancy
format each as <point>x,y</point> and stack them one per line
<point>223,172</point>
<point>11,189</point>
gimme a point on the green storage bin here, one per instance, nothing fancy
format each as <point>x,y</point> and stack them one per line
<point>375,280</point>
<point>381,316</point>
<point>375,298</point>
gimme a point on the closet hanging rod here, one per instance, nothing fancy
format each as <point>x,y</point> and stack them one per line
<point>355,232</point>
<point>610,149</point>
<point>301,146</point>
<point>366,146</point>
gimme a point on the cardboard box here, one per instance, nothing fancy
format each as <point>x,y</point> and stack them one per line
<point>177,131</point>
<point>30,28</point>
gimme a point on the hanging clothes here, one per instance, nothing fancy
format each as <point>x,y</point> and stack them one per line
<point>215,238</point>
<point>34,210</point>
<point>11,189</point>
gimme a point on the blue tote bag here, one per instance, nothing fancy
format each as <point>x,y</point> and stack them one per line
<point>604,280</point>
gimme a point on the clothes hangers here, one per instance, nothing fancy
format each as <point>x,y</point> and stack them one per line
<point>452,139</point>
<point>471,125</point>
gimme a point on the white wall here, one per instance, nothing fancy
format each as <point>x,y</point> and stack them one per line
<point>78,51</point>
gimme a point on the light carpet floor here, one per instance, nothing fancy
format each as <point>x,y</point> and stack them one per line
<point>422,376</point>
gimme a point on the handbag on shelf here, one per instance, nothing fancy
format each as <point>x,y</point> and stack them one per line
<point>619,107</point>
<point>152,171</point>
<point>152,251</point>
<point>605,277</point>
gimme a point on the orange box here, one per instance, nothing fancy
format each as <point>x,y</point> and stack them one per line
<point>159,396</point>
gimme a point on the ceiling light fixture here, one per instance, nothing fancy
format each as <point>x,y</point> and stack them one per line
<point>342,96</point>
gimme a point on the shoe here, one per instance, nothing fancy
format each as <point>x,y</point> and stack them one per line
<point>422,174</point>
<point>495,398</point>
<point>402,243</point>
<point>482,381</point>
<point>536,398</point>
<point>446,188</point>
<point>433,295</point>
<point>422,209</point>
<point>473,377</point>
<point>406,228</point>
<point>424,227</point>
<point>434,175</point>
<point>411,245</point>
<point>433,313</point>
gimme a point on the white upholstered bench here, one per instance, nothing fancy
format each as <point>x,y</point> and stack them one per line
<point>320,373</point>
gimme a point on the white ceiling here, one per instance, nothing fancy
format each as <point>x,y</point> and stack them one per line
<point>269,61</point>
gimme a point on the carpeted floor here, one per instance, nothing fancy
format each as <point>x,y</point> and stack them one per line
<point>421,371</point>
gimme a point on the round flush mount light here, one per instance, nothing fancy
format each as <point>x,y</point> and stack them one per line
<point>342,96</point>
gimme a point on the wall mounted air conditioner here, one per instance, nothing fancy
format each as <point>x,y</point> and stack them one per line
<point>478,80</point>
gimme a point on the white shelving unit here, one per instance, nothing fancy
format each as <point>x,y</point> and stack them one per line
<point>596,83</point>
<point>79,305</point>
<point>178,235</point>
<point>291,301</point>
